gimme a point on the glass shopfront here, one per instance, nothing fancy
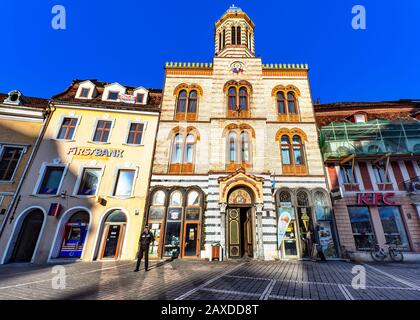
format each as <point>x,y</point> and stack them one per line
<point>393,225</point>
<point>175,219</point>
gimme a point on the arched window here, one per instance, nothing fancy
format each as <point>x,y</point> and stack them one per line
<point>243,99</point>
<point>238,35</point>
<point>322,209</point>
<point>192,102</point>
<point>291,103</point>
<point>193,198</point>
<point>182,102</point>
<point>183,148</point>
<point>238,101</point>
<point>233,35</point>
<point>285,150</point>
<point>220,41</point>
<point>224,38</point>
<point>293,155</point>
<point>239,150</point>
<point>176,199</point>
<point>297,150</point>
<point>177,149</point>
<point>159,198</point>
<point>285,197</point>
<point>245,143</point>
<point>281,108</point>
<point>187,105</point>
<point>232,93</point>
<point>232,146</point>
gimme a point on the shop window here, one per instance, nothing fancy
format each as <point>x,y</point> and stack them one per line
<point>322,209</point>
<point>103,128</point>
<point>67,129</point>
<point>135,133</point>
<point>156,216</point>
<point>393,226</point>
<point>305,221</point>
<point>183,153</point>
<point>293,155</point>
<point>10,157</point>
<point>51,180</point>
<point>124,184</point>
<point>362,227</point>
<point>347,174</point>
<point>89,182</point>
<point>173,225</point>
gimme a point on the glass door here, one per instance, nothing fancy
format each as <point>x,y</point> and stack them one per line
<point>290,249</point>
<point>191,240</point>
<point>113,235</point>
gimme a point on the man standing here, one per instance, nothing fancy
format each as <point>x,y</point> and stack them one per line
<point>146,239</point>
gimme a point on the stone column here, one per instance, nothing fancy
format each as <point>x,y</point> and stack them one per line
<point>260,246</point>
<point>223,207</point>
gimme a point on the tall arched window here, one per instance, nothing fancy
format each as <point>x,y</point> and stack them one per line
<point>291,103</point>
<point>281,108</point>
<point>232,146</point>
<point>187,104</point>
<point>238,101</point>
<point>293,155</point>
<point>232,94</point>
<point>238,35</point>
<point>322,209</point>
<point>287,105</point>
<point>239,150</point>
<point>233,35</point>
<point>245,146</point>
<point>182,158</point>
<point>243,99</point>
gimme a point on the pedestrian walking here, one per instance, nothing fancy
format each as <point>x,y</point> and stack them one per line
<point>146,239</point>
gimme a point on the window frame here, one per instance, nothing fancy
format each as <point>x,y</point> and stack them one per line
<point>182,166</point>
<point>87,93</point>
<point>130,123</point>
<point>62,118</point>
<point>110,92</point>
<point>142,97</point>
<point>41,176</point>
<point>79,180</point>
<point>238,143</point>
<point>116,179</point>
<point>96,127</point>
<point>187,114</point>
<point>24,151</point>
<point>236,111</point>
<point>287,116</point>
<point>372,226</point>
<point>294,169</point>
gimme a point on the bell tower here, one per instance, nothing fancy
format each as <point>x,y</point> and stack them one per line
<point>234,35</point>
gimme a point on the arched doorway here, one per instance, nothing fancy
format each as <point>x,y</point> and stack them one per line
<point>240,235</point>
<point>28,237</point>
<point>74,233</point>
<point>113,235</point>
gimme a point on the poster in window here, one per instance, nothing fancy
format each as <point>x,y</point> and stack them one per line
<point>174,213</point>
<point>156,213</point>
<point>193,214</point>
<point>326,239</point>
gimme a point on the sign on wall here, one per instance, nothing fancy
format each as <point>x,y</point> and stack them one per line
<point>374,199</point>
<point>285,217</point>
<point>96,152</point>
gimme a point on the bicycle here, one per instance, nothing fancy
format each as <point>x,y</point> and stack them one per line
<point>379,254</point>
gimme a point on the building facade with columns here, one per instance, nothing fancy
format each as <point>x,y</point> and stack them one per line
<point>237,161</point>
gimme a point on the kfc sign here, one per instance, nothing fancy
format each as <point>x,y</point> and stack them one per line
<point>374,199</point>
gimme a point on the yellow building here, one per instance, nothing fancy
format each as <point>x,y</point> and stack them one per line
<point>22,120</point>
<point>85,194</point>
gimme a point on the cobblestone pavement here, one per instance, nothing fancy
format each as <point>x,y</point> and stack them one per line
<point>192,280</point>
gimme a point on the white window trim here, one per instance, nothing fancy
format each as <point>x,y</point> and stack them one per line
<point>110,131</point>
<point>113,87</point>
<point>145,93</point>
<point>41,175</point>
<point>115,178</point>
<point>79,181</point>
<point>128,132</point>
<point>85,85</point>
<point>24,150</point>
<point>78,117</point>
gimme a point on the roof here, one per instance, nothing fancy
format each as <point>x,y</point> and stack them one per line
<point>69,97</point>
<point>371,104</point>
<point>31,102</point>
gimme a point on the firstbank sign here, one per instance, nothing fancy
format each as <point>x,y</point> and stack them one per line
<point>96,152</point>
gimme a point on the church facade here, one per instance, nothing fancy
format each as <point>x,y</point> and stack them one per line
<point>237,167</point>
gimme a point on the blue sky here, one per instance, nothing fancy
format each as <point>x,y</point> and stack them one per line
<point>129,41</point>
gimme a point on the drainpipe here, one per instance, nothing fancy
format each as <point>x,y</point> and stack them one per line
<point>48,113</point>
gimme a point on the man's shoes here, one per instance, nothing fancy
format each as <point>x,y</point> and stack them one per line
<point>136,270</point>
<point>146,270</point>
